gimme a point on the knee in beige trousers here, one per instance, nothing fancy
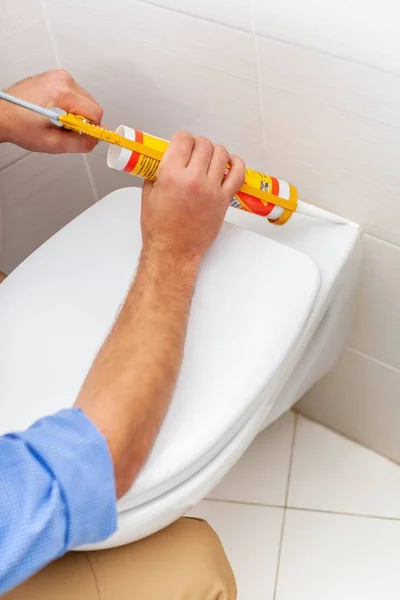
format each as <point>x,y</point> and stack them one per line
<point>184,561</point>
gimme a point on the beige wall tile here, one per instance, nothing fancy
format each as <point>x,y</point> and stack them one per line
<point>234,13</point>
<point>376,327</point>
<point>352,29</point>
<point>360,399</point>
<point>354,88</point>
<point>332,129</point>
<point>39,195</point>
<point>9,154</point>
<point>336,156</point>
<point>25,50</point>
<point>161,71</point>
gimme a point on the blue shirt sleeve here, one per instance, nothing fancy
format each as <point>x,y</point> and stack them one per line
<point>57,492</point>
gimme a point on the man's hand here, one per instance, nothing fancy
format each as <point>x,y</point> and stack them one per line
<point>183,211</point>
<point>35,132</point>
<point>130,384</point>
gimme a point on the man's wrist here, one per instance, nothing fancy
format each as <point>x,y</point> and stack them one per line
<point>163,264</point>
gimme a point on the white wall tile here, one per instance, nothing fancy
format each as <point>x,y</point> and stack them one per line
<point>250,536</point>
<point>25,45</point>
<point>161,71</point>
<point>25,50</point>
<point>332,129</point>
<point>331,473</point>
<point>39,195</point>
<point>261,475</point>
<point>347,28</point>
<point>353,88</point>
<point>376,327</point>
<point>337,556</point>
<point>233,13</point>
<point>336,156</point>
<point>9,154</point>
<point>360,399</point>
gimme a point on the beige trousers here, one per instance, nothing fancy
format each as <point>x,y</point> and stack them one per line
<point>184,561</point>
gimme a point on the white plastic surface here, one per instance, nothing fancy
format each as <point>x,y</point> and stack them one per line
<point>252,301</point>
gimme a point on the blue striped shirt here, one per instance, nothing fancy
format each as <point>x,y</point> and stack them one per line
<point>57,492</point>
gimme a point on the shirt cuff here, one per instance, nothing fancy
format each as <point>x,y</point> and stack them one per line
<point>77,455</point>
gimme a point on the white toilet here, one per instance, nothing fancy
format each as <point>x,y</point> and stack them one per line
<point>269,316</point>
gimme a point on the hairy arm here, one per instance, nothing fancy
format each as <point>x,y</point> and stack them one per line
<point>127,391</point>
<point>59,477</point>
<point>130,384</point>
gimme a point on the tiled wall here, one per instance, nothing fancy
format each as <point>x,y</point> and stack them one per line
<point>38,193</point>
<point>309,91</point>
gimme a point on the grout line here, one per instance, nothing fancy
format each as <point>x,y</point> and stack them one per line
<point>279,560</point>
<point>273,38</point>
<point>186,14</point>
<point>257,56</point>
<point>280,40</point>
<point>16,161</point>
<point>50,32</point>
<point>353,61</point>
<point>327,104</point>
<point>380,239</point>
<point>304,509</point>
<point>292,449</point>
<point>246,503</point>
<point>342,513</point>
<point>59,65</point>
<point>375,360</point>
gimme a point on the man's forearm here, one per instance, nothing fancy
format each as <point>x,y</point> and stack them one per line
<point>130,384</point>
<point>4,123</point>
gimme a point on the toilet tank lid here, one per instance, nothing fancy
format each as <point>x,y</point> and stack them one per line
<point>252,300</point>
